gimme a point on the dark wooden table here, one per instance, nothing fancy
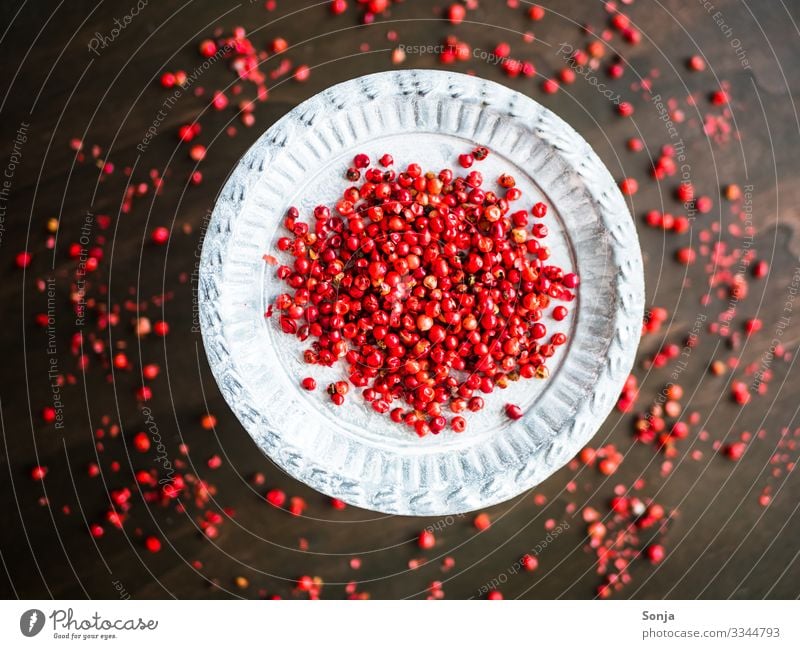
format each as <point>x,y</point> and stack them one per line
<point>721,543</point>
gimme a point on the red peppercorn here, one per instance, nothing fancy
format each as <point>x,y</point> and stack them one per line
<point>685,256</point>
<point>513,412</point>
<point>23,259</point>
<point>539,210</point>
<point>685,192</point>
<point>197,152</point>
<point>733,192</point>
<point>704,204</point>
<point>635,144</point>
<point>208,48</point>
<point>152,544</point>
<point>150,371</point>
<point>753,325</point>
<point>535,12</point>
<point>735,451</point>
<point>529,562</point>
<point>456,13</point>
<point>482,522</point>
<point>696,63</point>
<point>426,540</point>
<point>160,236</point>
<point>550,86</point>
<point>466,160</point>
<point>276,497</point>
<point>302,73</point>
<point>338,7</point>
<point>161,328</point>
<point>141,442</point>
<point>760,269</point>
<point>625,109</point>
<point>655,553</point>
<point>629,186</point>
<point>719,98</point>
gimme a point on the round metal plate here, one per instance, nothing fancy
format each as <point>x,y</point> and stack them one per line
<point>351,452</point>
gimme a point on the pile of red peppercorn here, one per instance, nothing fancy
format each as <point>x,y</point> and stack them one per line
<point>430,287</point>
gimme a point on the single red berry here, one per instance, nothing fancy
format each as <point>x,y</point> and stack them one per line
<point>456,13</point>
<point>685,256</point>
<point>719,98</point>
<point>513,412</point>
<point>655,553</point>
<point>753,325</point>
<point>696,63</point>
<point>628,186</point>
<point>426,540</point>
<point>159,236</point>
<point>704,204</point>
<point>635,144</point>
<point>735,451</point>
<point>302,73</point>
<point>276,497</point>
<point>625,109</point>
<point>733,192</point>
<point>685,192</point>
<point>23,259</point>
<point>152,544</point>
<point>141,442</point>
<point>482,522</point>
<point>535,12</point>
<point>197,152</point>
<point>208,48</point>
<point>150,371</point>
<point>615,71</point>
<point>539,210</point>
<point>550,86</point>
<point>338,7</point>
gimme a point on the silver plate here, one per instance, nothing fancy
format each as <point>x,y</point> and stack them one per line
<point>350,452</point>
